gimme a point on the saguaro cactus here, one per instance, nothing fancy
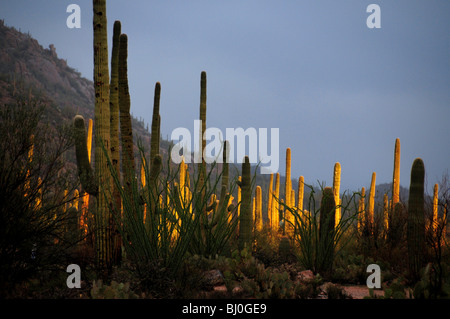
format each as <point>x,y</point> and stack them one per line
<point>114,109</point>
<point>336,190</point>
<point>269,200</point>
<point>258,208</point>
<point>289,218</point>
<point>371,206</point>
<point>99,182</point>
<point>361,209</point>
<point>200,191</point>
<point>126,130</point>
<point>275,220</point>
<point>385,213</point>
<point>156,123</point>
<point>435,221</point>
<point>396,177</point>
<point>326,230</point>
<point>245,217</point>
<point>114,130</point>
<point>416,218</point>
<point>301,191</point>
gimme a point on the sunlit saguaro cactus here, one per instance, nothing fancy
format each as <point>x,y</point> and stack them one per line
<point>258,209</point>
<point>289,217</point>
<point>336,190</point>
<point>269,200</point>
<point>301,191</point>
<point>275,220</point>
<point>385,213</point>
<point>371,206</point>
<point>396,177</point>
<point>434,220</point>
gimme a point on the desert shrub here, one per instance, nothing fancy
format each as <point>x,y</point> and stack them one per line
<point>33,202</point>
<point>160,227</point>
<point>315,253</point>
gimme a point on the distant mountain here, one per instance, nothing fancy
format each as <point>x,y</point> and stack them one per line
<point>25,66</point>
<point>28,68</point>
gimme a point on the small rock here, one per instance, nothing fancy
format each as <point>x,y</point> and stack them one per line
<point>237,290</point>
<point>305,275</point>
<point>213,278</point>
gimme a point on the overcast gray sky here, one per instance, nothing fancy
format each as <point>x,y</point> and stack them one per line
<point>337,90</point>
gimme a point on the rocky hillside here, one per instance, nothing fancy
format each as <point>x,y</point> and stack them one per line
<point>27,68</point>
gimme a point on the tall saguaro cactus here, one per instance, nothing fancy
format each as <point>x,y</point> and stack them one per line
<point>336,190</point>
<point>156,123</point>
<point>114,130</point>
<point>396,177</point>
<point>114,109</point>
<point>104,244</point>
<point>269,200</point>
<point>98,182</point>
<point>371,206</point>
<point>361,209</point>
<point>289,217</point>
<point>126,130</point>
<point>326,230</point>
<point>301,191</point>
<point>245,217</point>
<point>416,218</point>
<point>258,208</point>
<point>201,191</point>
<point>435,221</point>
<point>275,220</point>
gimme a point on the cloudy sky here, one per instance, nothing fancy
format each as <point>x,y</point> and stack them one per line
<point>337,90</point>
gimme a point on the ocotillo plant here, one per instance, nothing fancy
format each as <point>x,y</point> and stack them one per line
<point>416,218</point>
<point>326,231</point>
<point>245,217</point>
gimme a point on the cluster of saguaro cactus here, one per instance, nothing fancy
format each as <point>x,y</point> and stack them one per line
<point>98,182</point>
<point>112,114</point>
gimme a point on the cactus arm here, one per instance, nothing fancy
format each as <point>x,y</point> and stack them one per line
<point>85,172</point>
